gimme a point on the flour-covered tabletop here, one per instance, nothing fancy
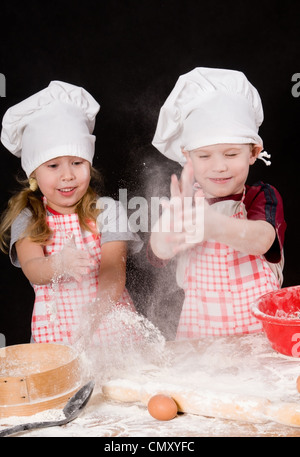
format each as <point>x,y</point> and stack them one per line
<point>227,386</point>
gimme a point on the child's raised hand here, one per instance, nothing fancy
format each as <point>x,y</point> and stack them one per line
<point>189,225</point>
<point>71,261</point>
<point>188,210</point>
<point>181,225</point>
<point>185,186</point>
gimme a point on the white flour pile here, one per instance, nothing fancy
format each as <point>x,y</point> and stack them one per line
<point>136,341</point>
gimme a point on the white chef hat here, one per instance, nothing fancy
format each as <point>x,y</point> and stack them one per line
<point>55,122</point>
<point>208,106</point>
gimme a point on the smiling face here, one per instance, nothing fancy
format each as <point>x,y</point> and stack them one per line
<point>222,169</point>
<point>63,181</point>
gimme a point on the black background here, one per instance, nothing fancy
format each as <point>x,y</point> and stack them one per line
<point>128,55</point>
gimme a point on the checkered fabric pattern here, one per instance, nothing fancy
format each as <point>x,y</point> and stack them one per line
<point>220,285</point>
<point>60,306</point>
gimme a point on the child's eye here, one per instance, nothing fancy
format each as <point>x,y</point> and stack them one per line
<point>52,165</point>
<point>231,154</point>
<point>77,162</point>
<point>203,156</point>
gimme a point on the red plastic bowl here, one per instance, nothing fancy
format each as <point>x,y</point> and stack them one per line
<point>279,312</point>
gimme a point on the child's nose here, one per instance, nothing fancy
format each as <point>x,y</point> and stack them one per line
<point>67,173</point>
<point>219,164</point>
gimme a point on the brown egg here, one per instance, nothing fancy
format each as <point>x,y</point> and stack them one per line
<point>162,407</point>
<point>298,383</point>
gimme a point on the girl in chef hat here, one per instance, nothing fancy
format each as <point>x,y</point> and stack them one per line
<point>234,252</point>
<point>54,228</point>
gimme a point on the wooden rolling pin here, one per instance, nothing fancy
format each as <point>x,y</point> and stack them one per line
<point>217,404</point>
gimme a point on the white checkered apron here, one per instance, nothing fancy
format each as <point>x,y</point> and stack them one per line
<point>220,285</point>
<point>60,306</point>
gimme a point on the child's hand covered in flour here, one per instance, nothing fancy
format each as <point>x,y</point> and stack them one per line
<point>72,262</point>
<point>182,222</point>
<point>189,210</point>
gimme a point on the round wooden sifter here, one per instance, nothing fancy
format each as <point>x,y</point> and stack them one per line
<point>37,377</point>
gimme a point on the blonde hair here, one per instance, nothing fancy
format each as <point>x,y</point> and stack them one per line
<point>38,230</point>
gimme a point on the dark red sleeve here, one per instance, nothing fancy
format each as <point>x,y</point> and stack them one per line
<point>263,202</point>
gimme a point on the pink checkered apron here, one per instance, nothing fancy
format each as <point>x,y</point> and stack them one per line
<point>220,285</point>
<point>60,306</point>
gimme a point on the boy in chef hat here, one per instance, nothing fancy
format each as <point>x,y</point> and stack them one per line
<point>209,124</point>
<point>52,227</point>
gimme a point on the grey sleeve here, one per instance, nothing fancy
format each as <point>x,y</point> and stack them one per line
<point>17,230</point>
<point>114,225</point>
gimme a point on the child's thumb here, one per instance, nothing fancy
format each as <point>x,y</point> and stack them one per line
<point>70,240</point>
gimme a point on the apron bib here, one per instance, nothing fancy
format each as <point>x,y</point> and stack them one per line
<point>220,286</point>
<point>61,306</point>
